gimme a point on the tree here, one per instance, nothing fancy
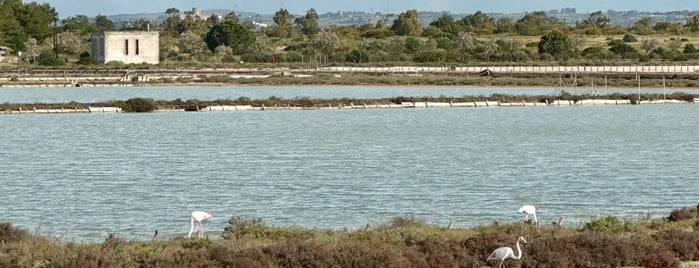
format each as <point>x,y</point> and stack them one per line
<point>413,45</point>
<point>261,47</point>
<point>170,12</point>
<point>192,24</point>
<point>37,19</point>
<point>230,34</point>
<point>326,42</point>
<point>282,19</point>
<point>535,23</point>
<point>555,43</point>
<point>597,19</point>
<point>407,24</point>
<point>79,24</point>
<point>48,58</point>
<point>465,44</point>
<point>479,23</point>
<point>667,28</point>
<point>446,24</point>
<point>231,16</point>
<point>213,20</point>
<point>395,48</point>
<point>69,43</point>
<point>11,32</point>
<point>191,43</point>
<point>649,45</point>
<point>308,23</point>
<point>642,26</point>
<point>173,21</point>
<point>377,31</point>
<point>102,23</point>
<point>32,49</point>
<point>504,26</point>
<point>140,25</point>
<point>487,48</point>
<point>692,24</point>
<point>19,21</point>
<point>595,24</point>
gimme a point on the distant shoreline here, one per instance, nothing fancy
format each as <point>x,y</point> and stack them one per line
<point>494,76</point>
<point>273,103</point>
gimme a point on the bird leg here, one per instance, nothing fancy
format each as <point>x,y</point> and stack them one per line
<point>200,233</point>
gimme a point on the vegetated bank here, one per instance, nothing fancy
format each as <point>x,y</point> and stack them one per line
<point>672,241</point>
<point>150,105</point>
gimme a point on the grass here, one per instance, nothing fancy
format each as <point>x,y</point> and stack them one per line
<point>402,242</point>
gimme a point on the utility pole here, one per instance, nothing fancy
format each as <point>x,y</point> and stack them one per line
<point>55,34</point>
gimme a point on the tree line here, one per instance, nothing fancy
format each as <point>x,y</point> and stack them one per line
<point>187,39</point>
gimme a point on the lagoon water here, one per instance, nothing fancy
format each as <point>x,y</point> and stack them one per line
<point>79,176</point>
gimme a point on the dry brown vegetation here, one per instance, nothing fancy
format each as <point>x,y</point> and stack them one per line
<point>403,242</point>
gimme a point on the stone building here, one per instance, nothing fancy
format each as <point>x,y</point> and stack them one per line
<point>196,13</point>
<point>127,47</point>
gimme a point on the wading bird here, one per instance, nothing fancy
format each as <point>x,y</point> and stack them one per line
<point>503,253</point>
<point>529,210</point>
<point>198,216</point>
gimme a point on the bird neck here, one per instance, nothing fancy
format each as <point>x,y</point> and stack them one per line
<point>519,251</point>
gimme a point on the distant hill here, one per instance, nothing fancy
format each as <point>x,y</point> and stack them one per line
<point>340,18</point>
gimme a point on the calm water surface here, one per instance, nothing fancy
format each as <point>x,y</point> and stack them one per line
<point>79,176</point>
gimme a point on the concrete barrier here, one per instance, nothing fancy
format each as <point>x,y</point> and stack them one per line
<point>431,104</point>
<point>227,108</point>
<point>104,109</point>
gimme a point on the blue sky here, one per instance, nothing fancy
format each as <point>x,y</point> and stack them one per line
<point>67,8</point>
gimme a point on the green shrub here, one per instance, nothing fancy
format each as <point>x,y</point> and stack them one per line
<point>630,38</point>
<point>49,58</point>
<point>609,224</point>
<point>140,105</point>
<point>86,59</point>
<point>240,226</point>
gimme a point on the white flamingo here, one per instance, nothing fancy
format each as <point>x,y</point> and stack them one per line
<point>197,216</point>
<point>529,210</point>
<point>503,253</point>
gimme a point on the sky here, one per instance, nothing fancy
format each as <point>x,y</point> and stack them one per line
<point>91,8</point>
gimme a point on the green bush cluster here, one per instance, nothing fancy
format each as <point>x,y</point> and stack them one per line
<point>135,105</point>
